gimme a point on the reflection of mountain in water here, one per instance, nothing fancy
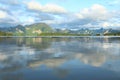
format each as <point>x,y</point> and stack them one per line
<point>35,43</point>
<point>17,53</point>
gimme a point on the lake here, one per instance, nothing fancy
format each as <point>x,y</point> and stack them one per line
<point>81,58</point>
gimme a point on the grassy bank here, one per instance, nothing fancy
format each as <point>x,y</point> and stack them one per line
<point>5,34</point>
<point>58,34</point>
<point>62,34</point>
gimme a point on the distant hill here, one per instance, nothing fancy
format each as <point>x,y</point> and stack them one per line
<point>42,29</point>
<point>33,30</point>
<point>94,32</point>
<point>28,30</point>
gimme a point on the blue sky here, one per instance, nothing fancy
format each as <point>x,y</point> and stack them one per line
<point>76,5</point>
<point>61,13</point>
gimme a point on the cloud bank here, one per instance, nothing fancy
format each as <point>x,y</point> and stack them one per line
<point>14,12</point>
<point>49,8</point>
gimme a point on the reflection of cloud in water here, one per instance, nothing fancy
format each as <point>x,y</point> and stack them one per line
<point>53,53</point>
<point>52,63</point>
<point>18,60</point>
<point>2,57</point>
<point>106,46</point>
<point>94,60</point>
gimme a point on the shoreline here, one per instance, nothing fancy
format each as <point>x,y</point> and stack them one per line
<point>54,36</point>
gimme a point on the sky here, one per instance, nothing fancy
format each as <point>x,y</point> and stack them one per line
<point>61,13</point>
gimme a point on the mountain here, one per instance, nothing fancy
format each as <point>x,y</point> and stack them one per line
<point>100,31</point>
<point>38,29</point>
<point>33,30</point>
<point>28,30</point>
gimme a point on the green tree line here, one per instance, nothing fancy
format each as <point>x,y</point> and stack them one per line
<point>5,33</point>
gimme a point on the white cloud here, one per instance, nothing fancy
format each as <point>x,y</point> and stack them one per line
<point>50,8</point>
<point>3,14</point>
<point>110,24</point>
<point>31,11</point>
<point>96,16</point>
<point>7,19</point>
<point>34,5</point>
<point>96,12</point>
<point>106,24</point>
<point>53,8</point>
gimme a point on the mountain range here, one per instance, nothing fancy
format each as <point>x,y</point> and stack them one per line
<point>39,28</point>
<point>28,30</point>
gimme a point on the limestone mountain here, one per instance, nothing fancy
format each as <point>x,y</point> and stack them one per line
<point>38,29</point>
<point>28,30</point>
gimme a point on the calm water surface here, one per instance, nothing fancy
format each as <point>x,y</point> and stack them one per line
<point>87,58</point>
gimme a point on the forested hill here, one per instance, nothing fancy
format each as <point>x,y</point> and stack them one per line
<point>28,30</point>
<point>42,29</point>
